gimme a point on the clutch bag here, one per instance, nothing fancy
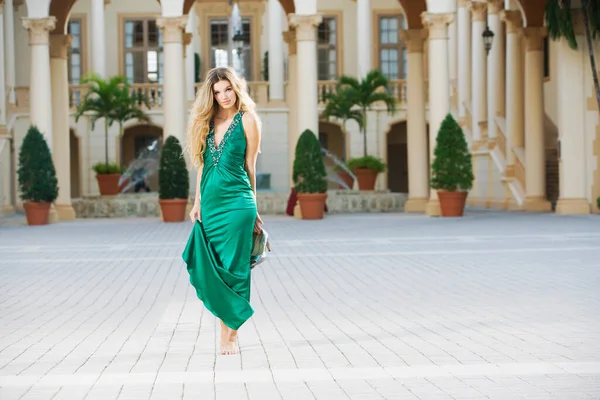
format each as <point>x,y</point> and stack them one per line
<point>260,245</point>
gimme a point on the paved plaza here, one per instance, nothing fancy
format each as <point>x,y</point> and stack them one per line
<point>371,306</point>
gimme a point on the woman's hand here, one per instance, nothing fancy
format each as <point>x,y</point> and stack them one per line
<point>195,213</point>
<point>258,224</point>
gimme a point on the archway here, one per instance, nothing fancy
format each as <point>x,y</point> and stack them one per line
<point>397,158</point>
<point>74,145</point>
<point>137,138</point>
<point>332,139</point>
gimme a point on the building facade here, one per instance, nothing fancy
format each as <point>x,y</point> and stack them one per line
<point>527,107</point>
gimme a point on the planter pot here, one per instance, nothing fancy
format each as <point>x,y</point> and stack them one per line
<point>36,213</point>
<point>452,204</point>
<point>173,210</point>
<point>347,179</point>
<point>312,205</point>
<point>108,184</point>
<point>366,178</point>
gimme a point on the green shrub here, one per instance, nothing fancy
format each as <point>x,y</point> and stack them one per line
<point>111,168</point>
<point>598,202</point>
<point>369,162</point>
<point>173,177</point>
<point>36,172</point>
<point>309,170</point>
<point>452,168</point>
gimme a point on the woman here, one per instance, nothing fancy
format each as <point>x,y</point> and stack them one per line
<point>223,141</point>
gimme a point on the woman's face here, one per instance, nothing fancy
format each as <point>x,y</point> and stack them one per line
<point>224,94</point>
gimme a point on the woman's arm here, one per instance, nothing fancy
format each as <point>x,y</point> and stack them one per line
<point>253,134</point>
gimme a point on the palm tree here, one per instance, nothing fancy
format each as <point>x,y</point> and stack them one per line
<point>112,99</point>
<point>340,105</point>
<point>559,21</point>
<point>365,93</point>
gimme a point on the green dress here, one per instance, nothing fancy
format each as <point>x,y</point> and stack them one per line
<point>218,250</point>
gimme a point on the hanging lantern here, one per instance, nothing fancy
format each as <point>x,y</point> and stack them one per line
<point>488,38</point>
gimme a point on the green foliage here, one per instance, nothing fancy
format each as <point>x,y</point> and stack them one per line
<point>598,202</point>
<point>452,168</point>
<point>36,173</point>
<point>196,67</point>
<point>173,178</point>
<point>110,168</point>
<point>365,93</point>
<point>369,162</point>
<point>340,104</point>
<point>265,71</point>
<point>309,170</point>
<point>559,19</point>
<point>112,99</point>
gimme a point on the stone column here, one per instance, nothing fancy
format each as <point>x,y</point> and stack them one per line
<point>418,160</point>
<point>364,40</point>
<point>479,61</point>
<point>61,144</point>
<point>40,93</point>
<point>174,107</point>
<point>190,62</point>
<point>2,73</point>
<point>515,107</point>
<point>306,42</point>
<point>571,127</point>
<point>9,48</point>
<point>439,85</point>
<point>535,150</point>
<point>293,133</point>
<point>464,55</point>
<point>275,51</point>
<point>98,34</point>
<point>495,67</point>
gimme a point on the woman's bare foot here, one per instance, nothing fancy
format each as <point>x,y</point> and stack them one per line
<point>230,347</point>
<point>228,340</point>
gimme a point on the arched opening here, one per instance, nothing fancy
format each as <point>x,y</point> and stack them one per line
<point>397,157</point>
<point>74,145</point>
<point>136,140</point>
<point>333,140</point>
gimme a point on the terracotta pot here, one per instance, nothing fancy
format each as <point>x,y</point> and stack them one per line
<point>36,213</point>
<point>452,204</point>
<point>312,205</point>
<point>173,210</point>
<point>108,184</point>
<point>366,178</point>
<point>346,178</point>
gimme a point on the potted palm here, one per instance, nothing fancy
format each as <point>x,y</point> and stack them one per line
<point>341,106</point>
<point>173,180</point>
<point>364,94</point>
<point>114,100</point>
<point>309,176</point>
<point>37,177</point>
<point>452,168</point>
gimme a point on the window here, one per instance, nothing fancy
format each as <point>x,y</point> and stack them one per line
<point>222,51</point>
<point>392,50</point>
<point>144,57</point>
<point>327,49</point>
<point>75,65</point>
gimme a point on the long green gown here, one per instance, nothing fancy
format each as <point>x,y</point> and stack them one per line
<point>218,251</point>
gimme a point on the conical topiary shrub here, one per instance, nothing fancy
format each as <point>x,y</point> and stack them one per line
<point>452,168</point>
<point>173,180</point>
<point>310,176</point>
<point>37,177</point>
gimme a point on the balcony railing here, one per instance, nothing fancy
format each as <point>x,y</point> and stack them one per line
<point>154,93</point>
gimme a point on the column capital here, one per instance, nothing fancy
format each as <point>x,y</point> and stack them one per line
<point>513,19</point>
<point>305,26</point>
<point>414,39</point>
<point>437,24</point>
<point>495,6</point>
<point>59,45</point>
<point>534,38</point>
<point>289,37</point>
<point>478,11</point>
<point>172,28</point>
<point>39,29</point>
<point>464,3</point>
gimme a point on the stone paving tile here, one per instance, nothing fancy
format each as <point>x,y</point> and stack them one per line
<point>379,306</point>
